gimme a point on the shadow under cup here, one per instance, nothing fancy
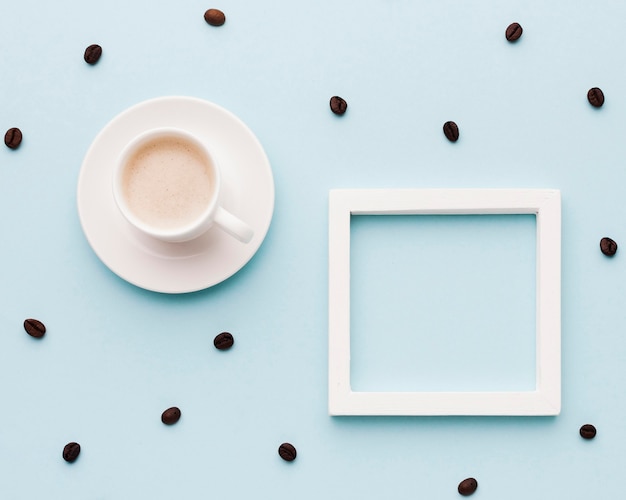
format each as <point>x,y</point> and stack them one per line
<point>167,184</point>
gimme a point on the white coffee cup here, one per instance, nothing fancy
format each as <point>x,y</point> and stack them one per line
<point>167,184</point>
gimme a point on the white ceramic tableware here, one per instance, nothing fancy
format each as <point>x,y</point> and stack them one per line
<point>167,184</point>
<point>247,190</point>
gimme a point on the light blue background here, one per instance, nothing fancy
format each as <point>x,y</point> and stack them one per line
<point>116,356</point>
<point>443,303</point>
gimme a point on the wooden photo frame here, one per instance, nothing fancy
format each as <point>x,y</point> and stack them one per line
<point>545,399</point>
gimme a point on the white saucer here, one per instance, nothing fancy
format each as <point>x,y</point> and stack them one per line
<point>248,192</point>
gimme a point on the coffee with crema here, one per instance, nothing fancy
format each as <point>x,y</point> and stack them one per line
<point>168,183</point>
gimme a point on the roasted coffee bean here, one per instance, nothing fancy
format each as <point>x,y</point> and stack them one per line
<point>34,328</point>
<point>92,54</point>
<point>468,486</point>
<point>513,32</point>
<point>588,431</point>
<point>223,341</point>
<point>170,416</point>
<point>214,17</point>
<point>13,138</point>
<point>71,452</point>
<point>608,246</point>
<point>595,96</point>
<point>338,105</point>
<point>451,131</point>
<point>287,452</point>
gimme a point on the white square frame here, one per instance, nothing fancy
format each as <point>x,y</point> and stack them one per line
<point>544,203</point>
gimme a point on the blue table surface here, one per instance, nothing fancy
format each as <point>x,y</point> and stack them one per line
<point>115,356</point>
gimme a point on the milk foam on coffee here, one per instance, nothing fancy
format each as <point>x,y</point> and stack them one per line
<point>167,183</point>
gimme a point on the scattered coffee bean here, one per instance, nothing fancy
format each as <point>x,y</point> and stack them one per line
<point>214,17</point>
<point>170,416</point>
<point>608,246</point>
<point>451,131</point>
<point>71,452</point>
<point>468,486</point>
<point>595,96</point>
<point>223,341</point>
<point>513,32</point>
<point>13,138</point>
<point>588,431</point>
<point>92,54</point>
<point>338,105</point>
<point>287,452</point>
<point>34,328</point>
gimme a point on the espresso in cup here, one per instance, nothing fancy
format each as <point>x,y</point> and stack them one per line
<point>167,185</point>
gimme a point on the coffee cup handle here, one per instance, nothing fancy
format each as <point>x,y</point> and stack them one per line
<point>232,225</point>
